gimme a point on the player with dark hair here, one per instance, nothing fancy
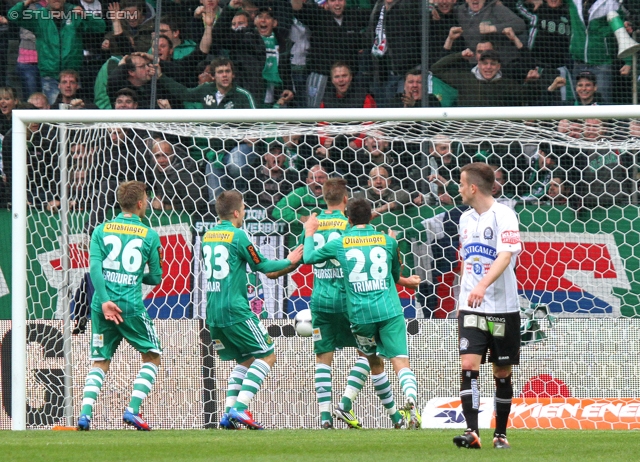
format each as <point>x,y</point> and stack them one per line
<point>488,309</point>
<point>330,319</point>
<point>236,332</point>
<point>371,265</point>
<point>120,249</point>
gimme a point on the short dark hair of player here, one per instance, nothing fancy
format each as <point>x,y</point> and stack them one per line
<point>221,61</point>
<point>129,193</point>
<point>480,174</point>
<point>227,203</point>
<point>359,211</point>
<point>334,190</point>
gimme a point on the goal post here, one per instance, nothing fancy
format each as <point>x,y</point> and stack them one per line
<point>467,127</point>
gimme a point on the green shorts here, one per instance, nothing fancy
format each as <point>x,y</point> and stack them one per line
<point>385,338</point>
<point>107,335</point>
<point>241,341</point>
<point>331,331</point>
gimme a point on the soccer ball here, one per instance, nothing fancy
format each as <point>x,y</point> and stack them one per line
<point>302,323</point>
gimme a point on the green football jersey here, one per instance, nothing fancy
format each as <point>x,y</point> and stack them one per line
<point>370,263</point>
<point>226,251</point>
<point>120,249</point>
<point>328,293</point>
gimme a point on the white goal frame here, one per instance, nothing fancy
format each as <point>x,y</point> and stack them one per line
<point>21,118</point>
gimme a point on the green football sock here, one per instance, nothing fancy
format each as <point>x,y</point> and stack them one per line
<point>355,381</point>
<point>234,384</point>
<point>323,391</point>
<point>252,383</point>
<point>142,386</point>
<point>92,387</point>
<point>409,385</point>
<point>383,389</point>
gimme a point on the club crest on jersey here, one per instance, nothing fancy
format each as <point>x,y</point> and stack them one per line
<point>464,344</point>
<point>488,233</point>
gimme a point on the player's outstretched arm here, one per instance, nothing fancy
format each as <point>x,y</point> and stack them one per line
<point>411,282</point>
<point>257,262</point>
<point>295,262</point>
<point>329,251</point>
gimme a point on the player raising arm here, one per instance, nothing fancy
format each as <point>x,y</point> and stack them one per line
<point>119,251</point>
<point>488,309</point>
<point>236,332</point>
<point>371,265</point>
<point>329,315</point>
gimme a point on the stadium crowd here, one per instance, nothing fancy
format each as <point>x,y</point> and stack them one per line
<point>324,53</point>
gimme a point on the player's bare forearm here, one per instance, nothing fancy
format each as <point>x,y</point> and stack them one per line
<point>411,282</point>
<point>283,272</point>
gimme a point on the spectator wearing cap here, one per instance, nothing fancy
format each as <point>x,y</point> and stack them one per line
<point>262,59</point>
<point>483,86</point>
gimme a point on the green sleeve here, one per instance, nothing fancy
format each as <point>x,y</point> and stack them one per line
<point>257,262</point>
<point>179,91</point>
<point>95,269</point>
<point>93,24</point>
<point>31,24</point>
<point>446,69</point>
<point>328,251</point>
<point>286,208</point>
<point>154,276</point>
<point>395,261</point>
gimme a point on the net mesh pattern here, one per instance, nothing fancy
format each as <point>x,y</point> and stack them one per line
<point>575,197</point>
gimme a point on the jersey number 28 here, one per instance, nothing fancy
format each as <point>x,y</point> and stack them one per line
<point>379,267</point>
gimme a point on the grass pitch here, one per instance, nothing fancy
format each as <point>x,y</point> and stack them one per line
<point>312,445</point>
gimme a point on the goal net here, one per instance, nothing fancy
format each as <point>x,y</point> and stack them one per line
<point>570,174</point>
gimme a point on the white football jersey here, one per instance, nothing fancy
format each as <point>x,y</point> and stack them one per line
<point>482,238</point>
